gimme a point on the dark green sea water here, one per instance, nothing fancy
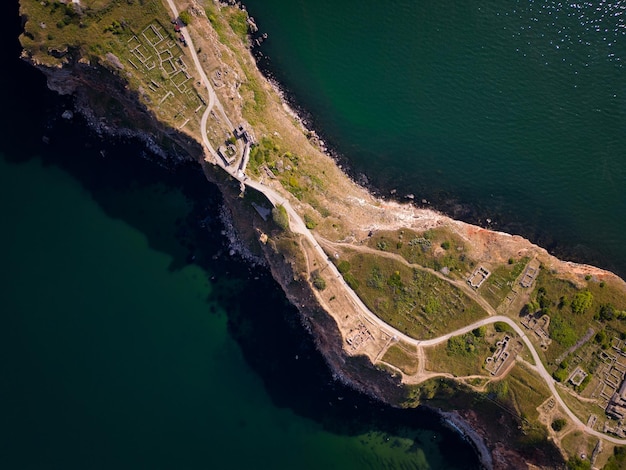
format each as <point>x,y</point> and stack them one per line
<point>512,111</point>
<point>130,339</point>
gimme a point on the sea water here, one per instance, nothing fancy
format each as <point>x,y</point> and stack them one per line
<point>131,339</point>
<point>506,114</point>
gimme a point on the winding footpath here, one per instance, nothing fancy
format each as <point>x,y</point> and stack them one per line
<point>297,225</point>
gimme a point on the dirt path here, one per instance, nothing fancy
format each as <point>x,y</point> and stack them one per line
<point>297,225</point>
<point>456,282</point>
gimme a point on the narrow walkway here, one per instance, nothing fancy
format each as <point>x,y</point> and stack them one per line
<point>297,225</point>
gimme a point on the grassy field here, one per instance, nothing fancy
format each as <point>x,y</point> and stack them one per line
<point>402,356</point>
<point>580,408</point>
<point>413,301</point>
<point>501,281</point>
<point>435,249</point>
<point>461,356</point>
<point>527,391</point>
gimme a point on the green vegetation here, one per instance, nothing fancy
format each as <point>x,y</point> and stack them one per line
<point>499,284</point>
<point>318,282</point>
<point>435,249</point>
<point>561,374</point>
<point>502,327</point>
<point>414,301</point>
<point>558,424</point>
<point>464,345</point>
<point>460,356</point>
<point>401,356</point>
<point>344,268</point>
<point>280,217</point>
<point>576,463</point>
<point>581,302</point>
<point>184,17</point>
<point>310,222</point>
<point>572,311</point>
<point>562,330</point>
<point>617,461</point>
<point>238,21</point>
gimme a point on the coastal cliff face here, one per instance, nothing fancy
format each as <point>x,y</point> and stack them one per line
<point>341,211</point>
<point>114,110</point>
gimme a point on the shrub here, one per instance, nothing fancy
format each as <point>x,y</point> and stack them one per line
<point>184,17</point>
<point>501,327</point>
<point>558,424</point>
<point>309,222</point>
<point>319,283</point>
<point>562,332</point>
<point>560,375</point>
<point>445,245</point>
<point>607,312</point>
<point>575,463</point>
<point>479,332</point>
<point>582,301</point>
<point>459,346</point>
<point>280,217</point>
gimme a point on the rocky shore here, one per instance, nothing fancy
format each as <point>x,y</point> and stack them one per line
<point>360,212</point>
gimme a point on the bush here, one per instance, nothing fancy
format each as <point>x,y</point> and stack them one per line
<point>558,424</point>
<point>562,332</point>
<point>560,375</point>
<point>280,217</point>
<point>445,245</point>
<point>184,17</point>
<point>582,301</point>
<point>309,222</point>
<point>501,327</point>
<point>479,332</point>
<point>319,283</point>
<point>607,312</point>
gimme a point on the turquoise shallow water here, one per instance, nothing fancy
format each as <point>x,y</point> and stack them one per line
<point>510,111</point>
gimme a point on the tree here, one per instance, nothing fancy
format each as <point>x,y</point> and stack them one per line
<point>607,312</point>
<point>558,424</point>
<point>479,332</point>
<point>582,301</point>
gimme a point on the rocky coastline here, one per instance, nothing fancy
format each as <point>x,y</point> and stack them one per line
<point>166,143</point>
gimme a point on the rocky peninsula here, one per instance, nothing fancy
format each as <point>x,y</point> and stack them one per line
<point>405,304</point>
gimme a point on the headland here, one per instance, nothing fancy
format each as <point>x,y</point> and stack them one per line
<point>405,304</point>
